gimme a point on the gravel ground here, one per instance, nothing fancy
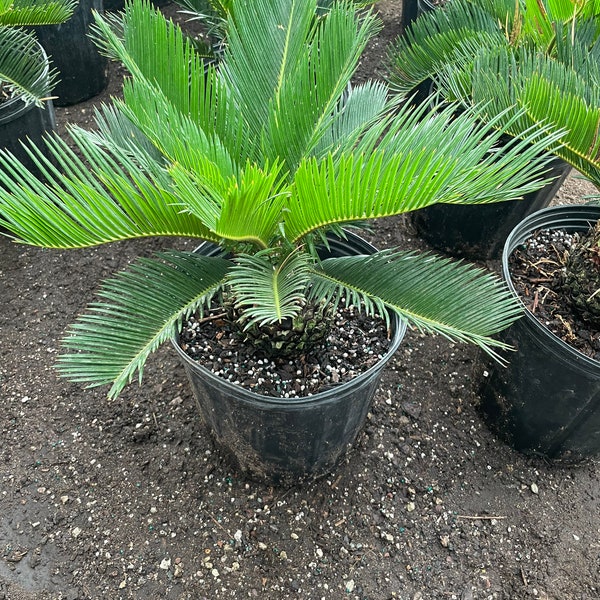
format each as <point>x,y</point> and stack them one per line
<point>130,499</point>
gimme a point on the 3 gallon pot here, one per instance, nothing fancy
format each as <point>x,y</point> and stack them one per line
<point>410,11</point>
<point>479,231</point>
<point>547,401</point>
<point>83,71</point>
<point>20,122</point>
<point>283,440</point>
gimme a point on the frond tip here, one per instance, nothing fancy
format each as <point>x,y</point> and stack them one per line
<point>113,339</point>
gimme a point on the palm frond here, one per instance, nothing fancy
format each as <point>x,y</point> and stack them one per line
<point>180,138</point>
<point>458,164</point>
<point>114,338</point>
<point>438,38</point>
<point>360,108</point>
<point>185,97</point>
<point>302,108</point>
<point>268,292</point>
<point>269,38</point>
<point>35,12</point>
<point>549,93</point>
<point>100,198</point>
<point>434,294</point>
<point>23,69</point>
<point>252,209</point>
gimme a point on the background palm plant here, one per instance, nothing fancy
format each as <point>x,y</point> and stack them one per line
<point>214,15</point>
<point>22,66</point>
<point>263,156</point>
<point>539,57</point>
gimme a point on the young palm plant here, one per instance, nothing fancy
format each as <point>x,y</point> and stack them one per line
<point>503,56</point>
<point>264,157</point>
<point>22,65</point>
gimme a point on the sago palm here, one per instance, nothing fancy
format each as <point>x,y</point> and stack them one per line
<point>539,57</point>
<point>22,65</point>
<point>263,156</point>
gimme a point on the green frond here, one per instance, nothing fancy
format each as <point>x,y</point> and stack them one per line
<point>252,209</point>
<point>23,69</point>
<point>360,108</point>
<point>304,104</point>
<point>438,38</point>
<point>185,97</point>
<point>268,292</point>
<point>115,130</point>
<point>114,338</point>
<point>269,38</point>
<point>434,294</point>
<point>466,28</point>
<point>19,13</point>
<point>459,163</point>
<point>100,198</point>
<point>550,94</point>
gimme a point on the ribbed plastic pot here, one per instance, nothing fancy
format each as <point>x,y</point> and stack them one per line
<point>281,440</point>
<point>83,71</point>
<point>547,400</point>
<point>478,232</point>
<point>20,121</point>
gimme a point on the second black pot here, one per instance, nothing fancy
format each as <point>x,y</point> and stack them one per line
<point>283,440</point>
<point>479,231</point>
<point>83,71</point>
<point>20,122</point>
<point>547,400</point>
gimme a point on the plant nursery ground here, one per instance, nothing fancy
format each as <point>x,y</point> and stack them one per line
<point>130,499</point>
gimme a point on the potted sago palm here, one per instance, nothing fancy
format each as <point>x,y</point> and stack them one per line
<point>440,51</point>
<point>547,401</point>
<point>267,160</point>
<point>26,79</point>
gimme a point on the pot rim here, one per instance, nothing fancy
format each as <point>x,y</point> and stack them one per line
<point>553,217</point>
<point>398,328</point>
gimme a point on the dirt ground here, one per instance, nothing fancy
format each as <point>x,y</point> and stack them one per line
<point>129,499</point>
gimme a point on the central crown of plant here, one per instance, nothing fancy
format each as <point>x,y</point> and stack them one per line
<point>264,155</point>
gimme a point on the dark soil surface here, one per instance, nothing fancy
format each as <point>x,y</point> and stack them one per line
<point>354,343</point>
<point>130,499</point>
<point>536,270</point>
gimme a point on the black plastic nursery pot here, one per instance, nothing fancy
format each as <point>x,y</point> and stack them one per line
<point>478,232</point>
<point>83,71</point>
<point>20,121</point>
<point>547,400</point>
<point>280,440</point>
<point>410,11</point>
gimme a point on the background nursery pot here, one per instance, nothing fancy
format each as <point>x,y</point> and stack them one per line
<point>21,120</point>
<point>83,71</point>
<point>479,232</point>
<point>283,440</point>
<point>547,401</point>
